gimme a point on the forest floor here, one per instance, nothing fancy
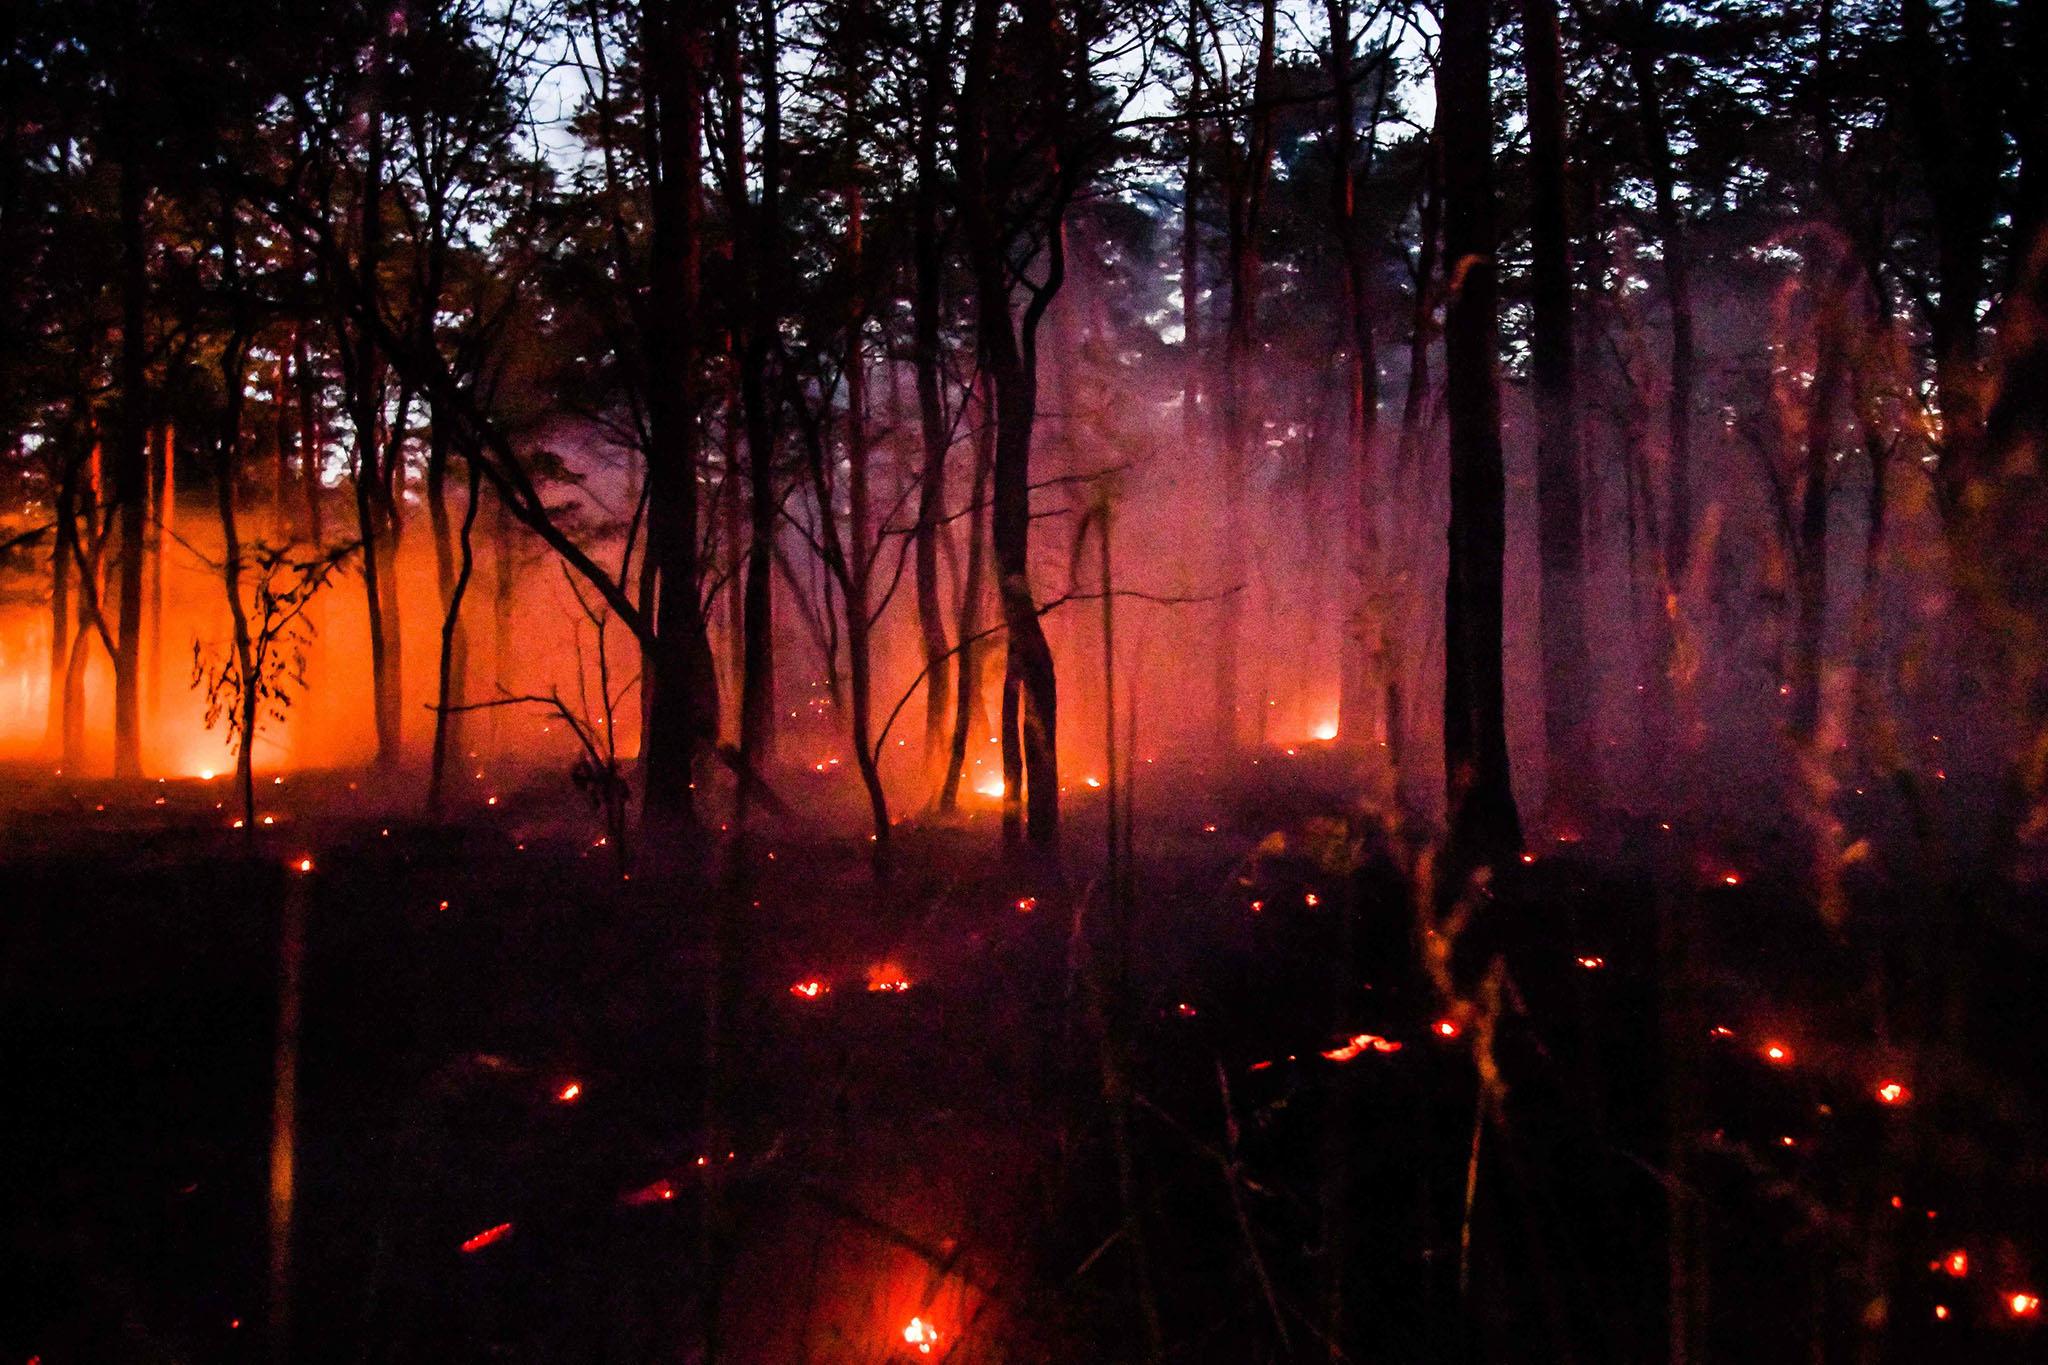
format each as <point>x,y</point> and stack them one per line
<point>504,1150</point>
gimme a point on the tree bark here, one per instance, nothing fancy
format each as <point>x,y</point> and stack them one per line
<point>1571,783</point>
<point>131,463</point>
<point>682,711</point>
<point>1480,801</point>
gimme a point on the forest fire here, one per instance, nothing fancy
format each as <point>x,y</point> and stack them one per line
<point>1427,620</point>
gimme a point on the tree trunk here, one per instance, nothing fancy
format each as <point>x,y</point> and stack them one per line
<point>1030,698</point>
<point>967,705</point>
<point>1571,783</point>
<point>682,713</point>
<point>131,468</point>
<point>455,645</point>
<point>452,581</point>
<point>61,557</point>
<point>1362,658</point>
<point>759,234</point>
<point>1248,194</point>
<point>367,381</point>
<point>859,559</point>
<point>927,301</point>
<point>1480,801</point>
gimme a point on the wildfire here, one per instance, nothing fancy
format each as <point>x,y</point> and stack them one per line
<point>810,990</point>
<point>1325,730</point>
<point>922,1335</point>
<point>1891,1092</point>
<point>2024,1305</point>
<point>990,786</point>
<point>570,1093</point>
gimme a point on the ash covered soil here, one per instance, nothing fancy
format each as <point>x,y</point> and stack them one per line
<point>969,1115</point>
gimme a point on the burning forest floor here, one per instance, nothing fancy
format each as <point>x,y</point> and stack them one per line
<point>936,1096</point>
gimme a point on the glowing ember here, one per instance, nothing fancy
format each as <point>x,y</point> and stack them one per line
<point>1447,1028</point>
<point>1528,858</point>
<point>1730,879</point>
<point>1778,1054</point>
<point>810,990</point>
<point>1891,1092</point>
<point>1955,1265</point>
<point>1184,1010</point>
<point>1311,900</point>
<point>1941,1312</point>
<point>1359,1044</point>
<point>570,1093</point>
<point>486,1237</point>
<point>922,1335</point>
<point>1026,904</point>
<point>1592,964</point>
<point>888,978</point>
<point>659,1192</point>
<point>1721,1031</point>
<point>2023,1305</point>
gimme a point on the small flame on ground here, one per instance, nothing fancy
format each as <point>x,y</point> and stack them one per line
<point>303,865</point>
<point>1592,964</point>
<point>1447,1028</point>
<point>810,990</point>
<point>888,978</point>
<point>1026,904</point>
<point>570,1093</point>
<point>1955,1265</point>
<point>486,1237</point>
<point>2023,1305</point>
<point>922,1335</point>
<point>990,786</point>
<point>1324,730</point>
<point>1891,1092</point>
<point>1360,1043</point>
<point>1778,1053</point>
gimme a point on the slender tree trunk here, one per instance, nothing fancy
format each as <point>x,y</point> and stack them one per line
<point>452,579</point>
<point>967,704</point>
<point>1030,698</point>
<point>61,556</point>
<point>1362,658</point>
<point>1241,321</point>
<point>310,438</point>
<point>683,710</point>
<point>154,533</point>
<point>1480,801</point>
<point>1669,700</point>
<point>455,646</point>
<point>131,467</point>
<point>368,403</point>
<point>1571,779</point>
<point>761,232</point>
<point>927,301</point>
<point>860,559</point>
